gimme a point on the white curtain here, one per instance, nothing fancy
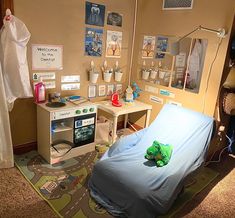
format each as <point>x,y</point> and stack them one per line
<point>6,148</point>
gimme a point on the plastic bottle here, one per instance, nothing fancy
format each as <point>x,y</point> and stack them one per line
<point>40,92</point>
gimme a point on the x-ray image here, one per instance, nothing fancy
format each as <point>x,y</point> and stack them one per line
<point>114,19</point>
<point>95,14</point>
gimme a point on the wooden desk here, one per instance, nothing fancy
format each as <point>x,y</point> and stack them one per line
<point>126,109</point>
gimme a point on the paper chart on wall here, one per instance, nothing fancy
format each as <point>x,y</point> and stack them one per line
<point>113,44</point>
<point>47,57</point>
<point>148,46</point>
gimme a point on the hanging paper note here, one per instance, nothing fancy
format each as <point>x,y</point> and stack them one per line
<point>70,86</point>
<point>101,90</point>
<point>44,76</point>
<point>156,99</point>
<point>47,57</point>
<point>91,91</point>
<point>167,93</point>
<point>70,79</point>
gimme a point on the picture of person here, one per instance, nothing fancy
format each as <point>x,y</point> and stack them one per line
<point>113,44</point>
<point>93,42</point>
<point>95,14</point>
<point>148,46</point>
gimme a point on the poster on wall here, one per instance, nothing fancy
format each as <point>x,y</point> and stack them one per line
<point>93,42</point>
<point>148,46</point>
<point>161,46</point>
<point>114,19</point>
<point>95,14</point>
<point>113,44</point>
<point>47,57</point>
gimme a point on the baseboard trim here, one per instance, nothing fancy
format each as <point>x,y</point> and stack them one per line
<point>24,148</point>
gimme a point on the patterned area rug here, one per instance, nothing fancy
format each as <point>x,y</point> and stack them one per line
<point>64,185</point>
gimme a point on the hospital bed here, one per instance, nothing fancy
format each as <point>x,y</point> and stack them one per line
<point>128,185</point>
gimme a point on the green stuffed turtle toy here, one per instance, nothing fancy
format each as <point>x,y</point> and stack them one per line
<point>160,153</point>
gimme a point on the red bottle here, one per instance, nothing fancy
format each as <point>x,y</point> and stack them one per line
<point>40,92</point>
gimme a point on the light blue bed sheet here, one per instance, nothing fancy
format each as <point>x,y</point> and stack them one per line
<point>128,185</point>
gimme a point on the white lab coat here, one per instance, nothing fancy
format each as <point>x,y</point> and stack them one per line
<point>14,38</point>
<point>194,61</point>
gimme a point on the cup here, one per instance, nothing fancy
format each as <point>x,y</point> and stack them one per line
<point>118,76</point>
<point>153,74</point>
<point>93,76</point>
<point>107,76</point>
<point>145,74</point>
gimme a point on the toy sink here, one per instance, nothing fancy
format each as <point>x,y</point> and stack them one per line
<point>55,104</point>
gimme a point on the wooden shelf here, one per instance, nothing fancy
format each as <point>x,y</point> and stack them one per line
<point>61,128</point>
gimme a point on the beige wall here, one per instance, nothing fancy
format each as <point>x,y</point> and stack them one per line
<point>62,22</point>
<point>152,20</point>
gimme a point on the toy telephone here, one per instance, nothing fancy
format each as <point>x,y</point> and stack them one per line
<point>115,100</point>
